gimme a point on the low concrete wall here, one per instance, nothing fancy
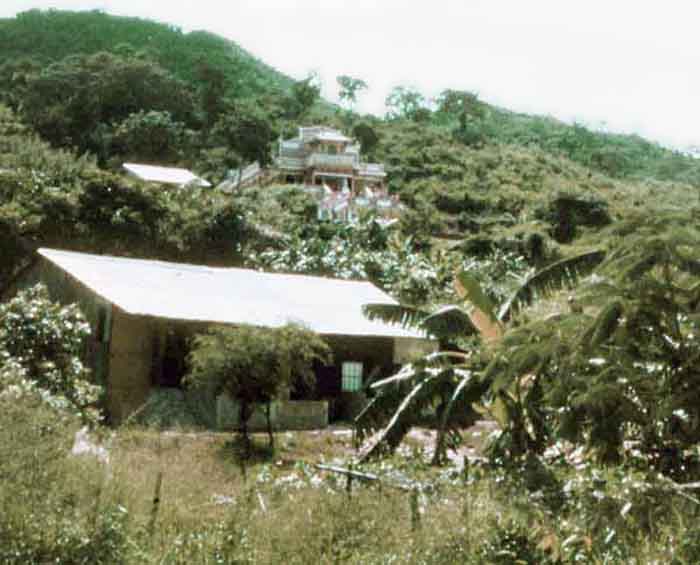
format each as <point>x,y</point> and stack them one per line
<point>284,415</point>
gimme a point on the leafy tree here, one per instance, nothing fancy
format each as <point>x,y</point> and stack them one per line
<point>566,212</point>
<point>248,130</point>
<point>212,91</point>
<point>349,87</point>
<point>73,102</point>
<point>255,364</point>
<point>467,110</point>
<point>367,136</point>
<point>620,367</point>
<point>14,78</point>
<point>45,341</point>
<point>461,104</point>
<point>406,103</point>
<point>112,209</point>
<point>152,136</point>
<point>625,367</point>
<point>450,382</point>
<point>304,94</point>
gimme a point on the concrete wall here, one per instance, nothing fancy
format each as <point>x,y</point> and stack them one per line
<point>284,415</point>
<point>130,364</point>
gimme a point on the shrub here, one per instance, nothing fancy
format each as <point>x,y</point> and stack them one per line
<point>511,543</point>
<point>44,340</point>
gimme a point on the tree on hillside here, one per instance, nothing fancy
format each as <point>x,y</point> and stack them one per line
<point>255,365</point>
<point>118,214</point>
<point>406,103</point>
<point>367,136</point>
<point>14,78</point>
<point>151,136</point>
<point>247,129</point>
<point>469,112</point>
<point>304,94</point>
<point>73,102</point>
<point>349,87</point>
<point>212,91</point>
<point>460,102</point>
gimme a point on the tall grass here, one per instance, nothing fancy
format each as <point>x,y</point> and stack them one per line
<point>65,509</point>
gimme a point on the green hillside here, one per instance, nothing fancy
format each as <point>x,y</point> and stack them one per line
<point>476,179</point>
<point>49,36</point>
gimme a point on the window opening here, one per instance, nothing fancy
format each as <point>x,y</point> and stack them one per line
<point>351,376</point>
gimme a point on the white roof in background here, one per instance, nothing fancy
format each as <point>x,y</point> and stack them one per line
<point>229,295</point>
<point>166,175</point>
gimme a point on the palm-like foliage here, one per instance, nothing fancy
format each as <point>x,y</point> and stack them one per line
<point>645,381</point>
<point>551,278</point>
<point>436,388</point>
<point>625,369</point>
<point>443,323</point>
<point>449,384</point>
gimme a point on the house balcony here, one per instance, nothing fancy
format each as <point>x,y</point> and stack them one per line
<point>290,163</point>
<point>331,162</point>
<point>371,170</point>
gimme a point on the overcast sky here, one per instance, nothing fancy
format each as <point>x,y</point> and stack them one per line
<point>624,65</point>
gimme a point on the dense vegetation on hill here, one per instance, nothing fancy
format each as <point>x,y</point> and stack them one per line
<point>49,36</point>
<point>476,179</point>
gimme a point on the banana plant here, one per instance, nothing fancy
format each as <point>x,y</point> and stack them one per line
<point>454,385</point>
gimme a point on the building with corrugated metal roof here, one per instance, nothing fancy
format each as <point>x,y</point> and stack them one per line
<point>144,312</point>
<point>165,175</point>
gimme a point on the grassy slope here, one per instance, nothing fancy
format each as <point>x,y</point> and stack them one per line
<point>496,181</point>
<point>283,510</point>
<point>621,155</point>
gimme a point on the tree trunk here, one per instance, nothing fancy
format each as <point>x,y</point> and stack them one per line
<point>244,416</point>
<point>270,434</point>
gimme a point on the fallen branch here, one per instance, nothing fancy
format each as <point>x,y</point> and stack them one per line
<point>370,477</point>
<point>348,472</point>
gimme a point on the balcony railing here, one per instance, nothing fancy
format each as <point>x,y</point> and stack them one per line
<point>371,170</point>
<point>294,163</point>
<point>333,162</point>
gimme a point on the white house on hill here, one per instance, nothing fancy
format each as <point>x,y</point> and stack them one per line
<point>165,175</point>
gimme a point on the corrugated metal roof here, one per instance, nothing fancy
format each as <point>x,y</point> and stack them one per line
<point>167,175</point>
<point>228,295</point>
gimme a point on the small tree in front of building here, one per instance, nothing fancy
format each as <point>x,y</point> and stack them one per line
<point>255,365</point>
